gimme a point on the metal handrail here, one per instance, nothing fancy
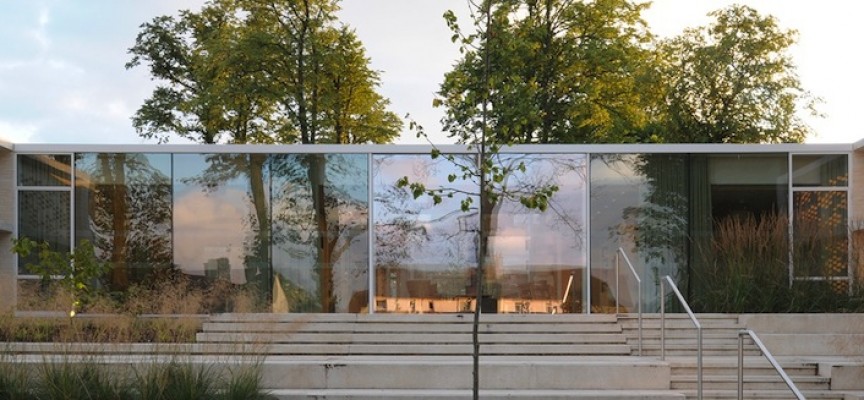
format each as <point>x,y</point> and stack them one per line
<point>768,356</point>
<point>668,279</point>
<point>618,291</point>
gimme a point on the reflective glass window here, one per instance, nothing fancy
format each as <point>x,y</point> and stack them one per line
<point>222,220</point>
<point>537,259</point>
<point>425,254</point>
<point>43,217</point>
<point>820,170</point>
<point>820,234</point>
<point>639,203</point>
<point>320,232</point>
<point>123,207</point>
<point>44,170</point>
<point>740,235</point>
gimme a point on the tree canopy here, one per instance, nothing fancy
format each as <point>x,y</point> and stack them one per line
<point>569,71</point>
<point>260,71</point>
<point>561,71</point>
<point>733,82</point>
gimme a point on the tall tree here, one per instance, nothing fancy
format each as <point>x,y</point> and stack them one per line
<point>264,71</point>
<point>561,71</point>
<point>734,82</point>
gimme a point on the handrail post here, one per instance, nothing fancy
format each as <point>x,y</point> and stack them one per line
<point>662,320</point>
<point>617,284</point>
<point>620,253</point>
<point>639,291</point>
<point>740,365</point>
<point>699,360</point>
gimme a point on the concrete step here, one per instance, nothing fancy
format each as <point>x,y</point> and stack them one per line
<point>749,370</point>
<point>751,382</point>
<point>289,327</point>
<point>374,394</point>
<point>764,394</point>
<point>444,373</point>
<point>431,318</point>
<point>400,338</point>
<point>449,349</point>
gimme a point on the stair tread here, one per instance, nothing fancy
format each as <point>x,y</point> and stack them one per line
<point>485,393</point>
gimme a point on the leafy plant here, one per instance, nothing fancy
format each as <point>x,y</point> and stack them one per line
<point>77,271</point>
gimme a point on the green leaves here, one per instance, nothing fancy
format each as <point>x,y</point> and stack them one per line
<point>734,82</point>
<point>77,271</point>
<point>260,71</point>
<point>560,72</point>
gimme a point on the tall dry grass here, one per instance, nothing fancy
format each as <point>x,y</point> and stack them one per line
<point>745,268</point>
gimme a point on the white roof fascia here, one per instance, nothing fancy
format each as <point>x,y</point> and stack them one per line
<point>6,145</point>
<point>425,149</point>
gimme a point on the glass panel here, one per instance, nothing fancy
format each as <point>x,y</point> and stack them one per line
<point>123,207</point>
<point>639,202</point>
<point>424,253</point>
<point>222,221</point>
<point>43,217</point>
<point>820,170</point>
<point>820,235</point>
<point>44,170</point>
<point>533,254</point>
<point>320,233</point>
<point>739,230</point>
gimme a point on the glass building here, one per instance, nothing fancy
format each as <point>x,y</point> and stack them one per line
<point>327,229</point>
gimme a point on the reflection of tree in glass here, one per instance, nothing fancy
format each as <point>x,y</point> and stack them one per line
<point>128,202</point>
<point>542,171</point>
<point>398,231</point>
<point>412,236</point>
<point>222,168</point>
<point>320,211</point>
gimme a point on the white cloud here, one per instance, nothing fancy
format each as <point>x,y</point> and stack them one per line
<point>16,132</point>
<point>39,33</point>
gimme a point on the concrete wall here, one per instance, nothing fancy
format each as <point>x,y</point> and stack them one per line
<point>7,222</point>
<point>839,335</point>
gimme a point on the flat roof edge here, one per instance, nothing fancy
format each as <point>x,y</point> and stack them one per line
<point>448,148</point>
<point>6,145</point>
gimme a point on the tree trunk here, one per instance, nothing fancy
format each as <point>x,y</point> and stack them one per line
<point>261,251</point>
<point>114,171</point>
<point>317,171</point>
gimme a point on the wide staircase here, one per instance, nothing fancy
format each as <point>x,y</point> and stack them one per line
<point>364,356</point>
<point>529,356</point>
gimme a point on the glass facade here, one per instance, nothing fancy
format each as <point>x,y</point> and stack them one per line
<point>537,259</point>
<point>123,207</point>
<point>44,201</point>
<point>425,254</point>
<point>639,203</point>
<point>292,231</point>
<point>320,240</point>
<point>221,217</point>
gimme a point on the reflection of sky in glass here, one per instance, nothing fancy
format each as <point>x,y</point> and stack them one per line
<point>449,232</point>
<point>295,254</point>
<point>537,239</point>
<point>146,180</point>
<point>209,223</point>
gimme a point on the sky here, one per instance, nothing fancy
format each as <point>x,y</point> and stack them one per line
<point>62,75</point>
